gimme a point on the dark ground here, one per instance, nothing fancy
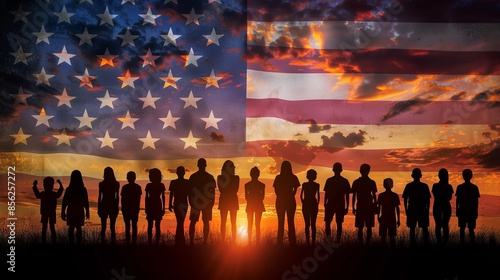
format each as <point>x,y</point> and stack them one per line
<point>351,261</point>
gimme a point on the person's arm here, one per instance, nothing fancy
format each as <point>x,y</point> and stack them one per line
<point>405,201</point>
<point>354,203</point>
<point>35,189</point>
<point>302,194</point>
<point>163,202</point>
<point>397,215</point>
<point>87,208</point>
<point>170,198</point>
<point>60,190</point>
<point>319,195</point>
<point>347,193</point>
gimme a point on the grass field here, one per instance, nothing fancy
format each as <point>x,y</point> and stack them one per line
<point>219,260</point>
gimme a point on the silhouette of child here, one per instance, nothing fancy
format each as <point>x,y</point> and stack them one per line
<point>337,189</point>
<point>131,202</point>
<point>388,212</point>
<point>441,209</point>
<point>154,203</point>
<point>48,204</point>
<point>416,196</point>
<point>75,206</point>
<point>228,183</point>
<point>254,195</point>
<point>178,202</point>
<point>467,204</point>
<point>107,203</point>
<point>310,197</point>
<point>364,203</point>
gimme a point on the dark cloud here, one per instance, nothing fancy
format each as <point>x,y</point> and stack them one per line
<point>294,151</point>
<point>217,137</point>
<point>315,128</point>
<point>459,96</point>
<point>490,96</point>
<point>404,106</point>
<point>339,141</point>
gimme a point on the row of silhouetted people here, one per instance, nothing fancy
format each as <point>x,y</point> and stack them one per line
<point>197,194</point>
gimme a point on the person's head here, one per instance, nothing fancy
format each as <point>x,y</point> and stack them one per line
<point>181,171</point>
<point>286,167</point>
<point>155,175</point>
<point>109,174</point>
<point>311,175</point>
<point>364,169</point>
<point>467,174</point>
<point>416,174</point>
<point>48,183</point>
<point>202,163</point>
<point>131,176</point>
<point>443,175</point>
<point>76,179</point>
<point>388,184</point>
<point>254,173</point>
<point>337,167</point>
<point>228,168</point>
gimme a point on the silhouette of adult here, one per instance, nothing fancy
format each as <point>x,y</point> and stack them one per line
<point>388,213</point>
<point>48,204</point>
<point>254,195</point>
<point>285,187</point>
<point>310,197</point>
<point>441,210</point>
<point>229,184</point>
<point>467,203</point>
<point>416,196</point>
<point>107,203</point>
<point>154,204</point>
<point>202,185</point>
<point>75,206</point>
<point>337,190</point>
<point>364,203</point>
<point>131,202</point>
<point>178,202</point>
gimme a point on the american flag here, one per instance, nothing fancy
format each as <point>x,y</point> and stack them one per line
<point>394,83</point>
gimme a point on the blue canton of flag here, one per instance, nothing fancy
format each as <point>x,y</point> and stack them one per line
<point>124,80</point>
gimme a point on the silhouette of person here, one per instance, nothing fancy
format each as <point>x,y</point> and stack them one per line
<point>337,190</point>
<point>467,203</point>
<point>388,213</point>
<point>416,196</point>
<point>254,195</point>
<point>285,187</point>
<point>107,203</point>
<point>178,202</point>
<point>228,183</point>
<point>75,206</point>
<point>364,203</point>
<point>202,185</point>
<point>131,202</point>
<point>441,210</point>
<point>154,204</point>
<point>48,204</point>
<point>310,197</point>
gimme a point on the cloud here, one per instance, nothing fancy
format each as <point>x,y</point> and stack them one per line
<point>315,128</point>
<point>339,141</point>
<point>217,137</point>
<point>404,106</point>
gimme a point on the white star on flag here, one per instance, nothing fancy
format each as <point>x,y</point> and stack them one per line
<point>107,141</point>
<point>64,16</point>
<point>43,77</point>
<point>21,97</point>
<point>190,141</point>
<point>170,80</point>
<point>169,120</point>
<point>149,59</point>
<point>107,100</point>
<point>213,38</point>
<point>107,17</point>
<point>86,37</point>
<point>42,36</point>
<point>212,80</point>
<point>190,100</point>
<point>149,100</point>
<point>191,58</point>
<point>149,141</point>
<point>20,137</point>
<point>128,80</point>
<point>128,38</point>
<point>20,14</point>
<point>85,120</point>
<point>107,58</point>
<point>170,38</point>
<point>149,17</point>
<point>42,118</point>
<point>86,79</point>
<point>20,56</point>
<point>128,121</point>
<point>211,121</point>
<point>192,17</point>
<point>64,56</point>
<point>63,138</point>
<point>64,99</point>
